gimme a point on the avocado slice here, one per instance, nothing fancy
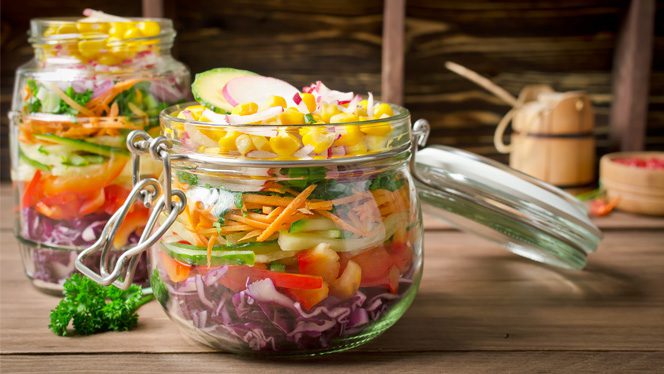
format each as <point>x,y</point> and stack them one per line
<point>208,85</point>
<point>82,145</point>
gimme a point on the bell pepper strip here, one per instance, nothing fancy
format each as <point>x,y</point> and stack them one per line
<point>176,270</point>
<point>135,219</point>
<point>33,191</point>
<point>93,204</point>
<point>114,196</point>
<point>237,277</point>
<point>95,180</point>
<point>63,206</point>
<point>309,298</point>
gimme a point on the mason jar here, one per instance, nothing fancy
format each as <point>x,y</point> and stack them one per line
<point>90,83</point>
<point>271,254</point>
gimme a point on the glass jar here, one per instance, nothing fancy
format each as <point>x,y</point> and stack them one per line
<point>271,255</point>
<point>90,83</point>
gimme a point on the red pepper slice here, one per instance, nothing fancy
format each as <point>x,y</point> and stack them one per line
<point>236,278</point>
<point>32,192</point>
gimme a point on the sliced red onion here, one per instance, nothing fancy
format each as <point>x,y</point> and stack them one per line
<point>264,291</point>
<point>235,119</point>
<point>102,88</point>
<point>304,151</point>
<point>370,105</point>
<point>332,96</point>
<point>338,151</point>
<point>261,154</point>
<point>352,105</point>
<point>216,118</point>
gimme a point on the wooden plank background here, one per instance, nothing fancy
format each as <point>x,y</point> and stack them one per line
<point>569,45</point>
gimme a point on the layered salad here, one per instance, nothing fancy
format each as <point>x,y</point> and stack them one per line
<point>287,259</point>
<point>96,80</point>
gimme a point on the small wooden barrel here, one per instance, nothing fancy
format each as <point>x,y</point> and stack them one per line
<point>553,139</point>
<point>639,190</point>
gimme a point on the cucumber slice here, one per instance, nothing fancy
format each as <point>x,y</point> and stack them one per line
<point>82,145</point>
<point>34,163</point>
<point>208,85</point>
<point>311,224</point>
<point>83,160</point>
<point>195,255</point>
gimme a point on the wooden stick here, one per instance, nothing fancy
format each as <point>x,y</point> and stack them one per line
<point>153,8</point>
<point>394,14</point>
<point>483,82</point>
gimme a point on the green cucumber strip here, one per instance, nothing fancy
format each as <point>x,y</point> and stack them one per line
<point>311,224</point>
<point>83,160</point>
<point>34,163</point>
<point>198,256</point>
<point>276,266</point>
<point>82,145</point>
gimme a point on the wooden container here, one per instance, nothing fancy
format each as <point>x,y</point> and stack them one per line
<point>640,190</point>
<point>552,137</point>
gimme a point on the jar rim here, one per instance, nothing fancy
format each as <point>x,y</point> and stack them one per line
<point>167,32</point>
<point>166,114</point>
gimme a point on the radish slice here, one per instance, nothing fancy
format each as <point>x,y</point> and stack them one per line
<point>257,89</point>
<point>216,118</point>
<point>352,105</point>
<point>261,154</point>
<point>370,105</point>
<point>235,119</point>
<point>332,96</point>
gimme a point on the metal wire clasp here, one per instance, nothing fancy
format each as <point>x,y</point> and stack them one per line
<point>145,190</point>
<point>421,130</point>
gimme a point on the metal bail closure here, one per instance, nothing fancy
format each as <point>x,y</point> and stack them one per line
<point>525,215</point>
<point>123,270</point>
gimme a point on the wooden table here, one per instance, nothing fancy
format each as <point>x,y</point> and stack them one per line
<point>479,309</point>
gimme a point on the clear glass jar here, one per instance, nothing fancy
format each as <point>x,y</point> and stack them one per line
<point>89,84</point>
<point>257,253</point>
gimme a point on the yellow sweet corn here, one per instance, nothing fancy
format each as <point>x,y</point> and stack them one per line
<point>284,144</point>
<point>214,133</point>
<point>84,27</point>
<point>227,142</point>
<point>375,142</point>
<point>383,108</point>
<point>118,29</point>
<point>357,149</point>
<point>245,109</point>
<point>109,59</point>
<point>149,28</point>
<point>380,128</point>
<point>319,138</point>
<point>131,33</point>
<point>196,111</point>
<point>351,137</point>
<point>309,100</point>
<point>261,143</point>
<point>67,28</point>
<point>327,111</point>
<point>90,48</point>
<point>343,118</point>
<point>276,101</point>
<point>291,117</point>
<point>244,144</point>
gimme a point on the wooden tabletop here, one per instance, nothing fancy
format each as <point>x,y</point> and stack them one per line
<point>479,309</point>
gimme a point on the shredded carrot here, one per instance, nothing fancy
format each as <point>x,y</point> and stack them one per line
<point>259,217</point>
<point>295,204</point>
<point>266,200</point>
<point>249,235</point>
<point>248,221</point>
<point>341,223</point>
<point>276,212</point>
<point>267,209</point>
<point>115,109</point>
<point>63,96</point>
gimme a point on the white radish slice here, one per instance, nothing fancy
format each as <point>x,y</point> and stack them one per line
<point>257,89</point>
<point>216,118</point>
<point>235,119</point>
<point>304,151</point>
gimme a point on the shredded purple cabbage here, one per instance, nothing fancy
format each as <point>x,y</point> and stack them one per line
<point>264,319</point>
<point>54,265</point>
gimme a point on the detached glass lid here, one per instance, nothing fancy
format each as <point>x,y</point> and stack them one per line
<point>527,216</point>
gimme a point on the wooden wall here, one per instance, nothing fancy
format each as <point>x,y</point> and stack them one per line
<point>568,44</point>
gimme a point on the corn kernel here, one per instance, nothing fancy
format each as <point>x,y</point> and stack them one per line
<point>196,111</point>
<point>108,59</point>
<point>357,149</point>
<point>131,33</point>
<point>261,143</point>
<point>118,29</point>
<point>343,118</point>
<point>92,27</point>
<point>309,100</point>
<point>90,48</point>
<point>213,133</point>
<point>352,136</point>
<point>245,109</point>
<point>375,142</point>
<point>244,144</point>
<point>319,139</point>
<point>51,30</point>
<point>149,28</point>
<point>276,101</point>
<point>284,144</point>
<point>380,128</point>
<point>227,142</point>
<point>383,108</point>
<point>364,103</point>
<point>291,117</point>
<point>327,111</point>
<point>67,28</point>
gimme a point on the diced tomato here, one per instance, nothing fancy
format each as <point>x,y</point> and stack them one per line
<point>402,255</point>
<point>176,270</point>
<point>93,203</point>
<point>348,282</point>
<point>133,221</point>
<point>321,260</point>
<point>236,278</point>
<point>90,181</point>
<point>114,196</point>
<point>309,298</point>
<point>375,264</point>
<point>33,190</point>
<point>60,207</point>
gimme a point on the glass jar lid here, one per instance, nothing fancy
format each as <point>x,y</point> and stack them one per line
<point>527,216</point>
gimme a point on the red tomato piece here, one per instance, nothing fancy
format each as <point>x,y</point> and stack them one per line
<point>114,196</point>
<point>237,276</point>
<point>33,190</point>
<point>90,181</point>
<point>309,298</point>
